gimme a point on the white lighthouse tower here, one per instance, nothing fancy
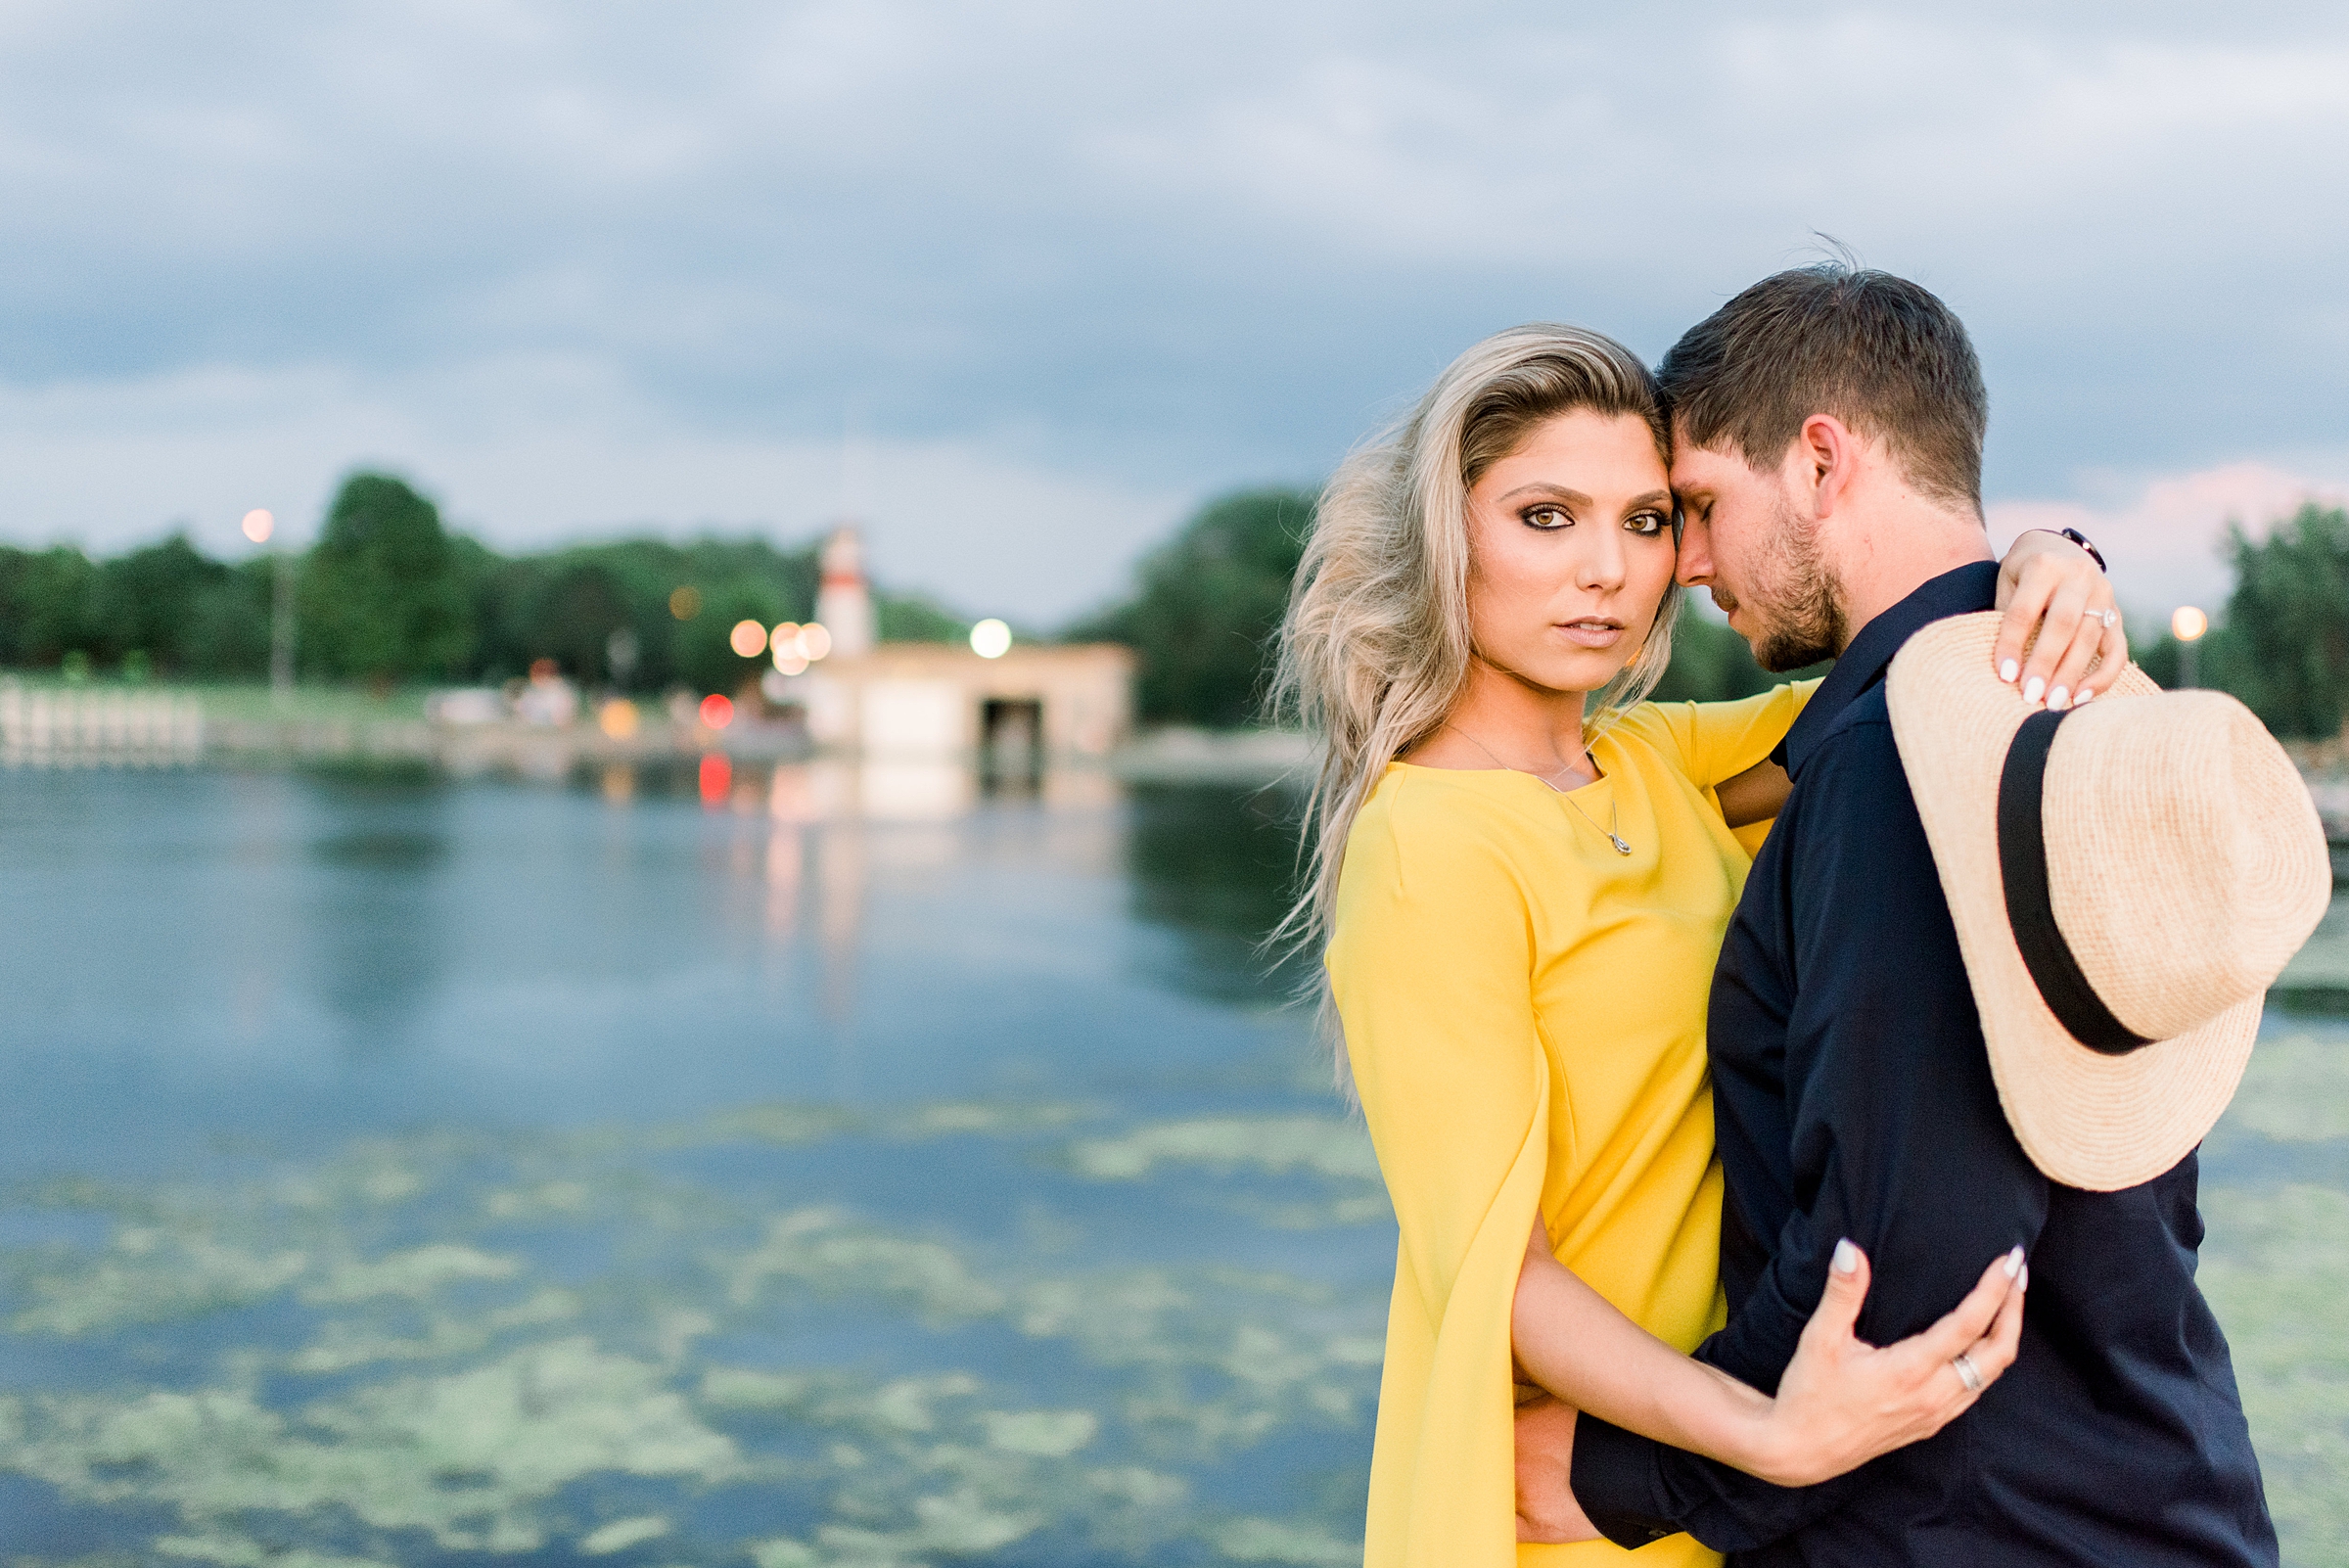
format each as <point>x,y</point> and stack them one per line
<point>843,601</point>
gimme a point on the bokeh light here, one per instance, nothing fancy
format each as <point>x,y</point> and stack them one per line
<point>685,603</point>
<point>618,718</point>
<point>258,525</point>
<point>717,774</point>
<point>990,639</point>
<point>748,638</point>
<point>717,710</point>
<point>2187,623</point>
<point>796,646</point>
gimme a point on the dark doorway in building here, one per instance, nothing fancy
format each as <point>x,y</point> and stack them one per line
<point>1011,744</point>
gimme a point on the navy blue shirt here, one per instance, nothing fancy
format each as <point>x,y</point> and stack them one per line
<point>1853,1098</point>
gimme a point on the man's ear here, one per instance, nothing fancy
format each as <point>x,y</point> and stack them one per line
<point>1830,456</point>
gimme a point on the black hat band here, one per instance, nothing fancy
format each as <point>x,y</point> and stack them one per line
<point>2023,866</point>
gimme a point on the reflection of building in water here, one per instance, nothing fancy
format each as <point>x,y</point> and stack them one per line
<point>910,700</point>
<point>840,914</point>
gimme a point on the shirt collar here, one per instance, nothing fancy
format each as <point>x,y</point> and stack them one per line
<point>1972,586</point>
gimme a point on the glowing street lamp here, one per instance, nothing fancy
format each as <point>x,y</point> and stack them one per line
<point>990,639</point>
<point>258,525</point>
<point>2186,624</point>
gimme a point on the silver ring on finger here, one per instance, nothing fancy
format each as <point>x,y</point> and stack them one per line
<point>1966,1374</point>
<point>2108,616</point>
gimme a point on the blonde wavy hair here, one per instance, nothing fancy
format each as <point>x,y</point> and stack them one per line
<point>1375,648</point>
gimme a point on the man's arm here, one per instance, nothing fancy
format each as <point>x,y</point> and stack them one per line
<point>1897,1141</point>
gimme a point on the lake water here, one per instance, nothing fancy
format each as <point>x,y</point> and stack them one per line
<point>843,1169</point>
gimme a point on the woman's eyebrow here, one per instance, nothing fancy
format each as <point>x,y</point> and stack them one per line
<point>1653,499</point>
<point>1545,488</point>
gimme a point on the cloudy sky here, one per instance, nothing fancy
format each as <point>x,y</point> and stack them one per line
<point>1020,283</point>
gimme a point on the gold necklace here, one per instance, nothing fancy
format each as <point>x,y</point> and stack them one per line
<point>1615,806</point>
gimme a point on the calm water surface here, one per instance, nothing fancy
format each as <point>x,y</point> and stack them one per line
<point>399,1170</point>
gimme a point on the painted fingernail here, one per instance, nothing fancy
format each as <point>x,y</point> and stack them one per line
<point>1847,1256</point>
<point>2087,695</point>
<point>2058,698</point>
<point>2007,671</point>
<point>2014,1263</point>
<point>2032,688</point>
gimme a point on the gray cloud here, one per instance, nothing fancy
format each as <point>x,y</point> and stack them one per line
<point>584,267</point>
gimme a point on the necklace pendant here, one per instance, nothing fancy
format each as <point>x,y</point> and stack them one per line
<point>1621,847</point>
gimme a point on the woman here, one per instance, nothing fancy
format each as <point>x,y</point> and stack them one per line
<point>1523,877</point>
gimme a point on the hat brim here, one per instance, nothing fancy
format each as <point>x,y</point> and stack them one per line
<point>2086,1119</point>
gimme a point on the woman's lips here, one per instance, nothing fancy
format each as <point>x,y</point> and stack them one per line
<point>1593,634</point>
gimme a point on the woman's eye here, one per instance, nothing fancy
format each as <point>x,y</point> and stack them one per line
<point>1547,517</point>
<point>1648,523</point>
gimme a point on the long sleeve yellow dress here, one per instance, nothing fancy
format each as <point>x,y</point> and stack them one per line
<point>1524,1012</point>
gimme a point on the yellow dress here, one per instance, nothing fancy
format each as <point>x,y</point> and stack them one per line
<point>1524,1012</point>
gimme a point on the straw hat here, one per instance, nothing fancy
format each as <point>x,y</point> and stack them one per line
<point>2127,879</point>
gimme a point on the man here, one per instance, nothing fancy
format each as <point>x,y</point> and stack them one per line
<point>1829,428</point>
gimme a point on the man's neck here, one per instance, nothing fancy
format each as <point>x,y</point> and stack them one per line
<point>1881,554</point>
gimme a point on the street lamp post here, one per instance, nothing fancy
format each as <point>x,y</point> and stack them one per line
<point>258,527</point>
<point>2186,624</point>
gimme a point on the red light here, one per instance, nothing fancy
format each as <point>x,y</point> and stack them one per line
<point>717,712</point>
<point>717,776</point>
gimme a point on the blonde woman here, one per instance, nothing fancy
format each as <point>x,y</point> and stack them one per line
<point>1522,878</point>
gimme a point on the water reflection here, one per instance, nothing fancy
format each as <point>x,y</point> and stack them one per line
<point>374,935</point>
<point>1219,865</point>
<point>837,1172</point>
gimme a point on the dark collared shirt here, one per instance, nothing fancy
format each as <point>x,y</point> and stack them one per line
<point>1853,1098</point>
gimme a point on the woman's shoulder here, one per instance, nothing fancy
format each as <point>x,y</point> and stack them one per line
<point>1437,822</point>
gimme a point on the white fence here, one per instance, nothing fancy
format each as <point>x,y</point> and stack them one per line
<point>65,727</point>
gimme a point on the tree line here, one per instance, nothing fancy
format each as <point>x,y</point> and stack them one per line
<point>1207,606</point>
<point>389,595</point>
<point>2282,645</point>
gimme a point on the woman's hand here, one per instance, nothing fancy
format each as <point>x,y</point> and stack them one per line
<point>1844,1402</point>
<point>1547,1510</point>
<point>2058,603</point>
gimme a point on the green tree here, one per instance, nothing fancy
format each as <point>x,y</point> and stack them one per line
<point>1712,664</point>
<point>227,632</point>
<point>383,591</point>
<point>45,605</point>
<point>912,618</point>
<point>564,607</point>
<point>1209,606</point>
<point>174,609</point>
<point>2285,647</point>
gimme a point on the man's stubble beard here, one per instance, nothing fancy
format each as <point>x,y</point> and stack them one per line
<point>1800,605</point>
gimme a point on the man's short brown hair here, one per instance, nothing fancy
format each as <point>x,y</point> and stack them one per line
<point>1880,353</point>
